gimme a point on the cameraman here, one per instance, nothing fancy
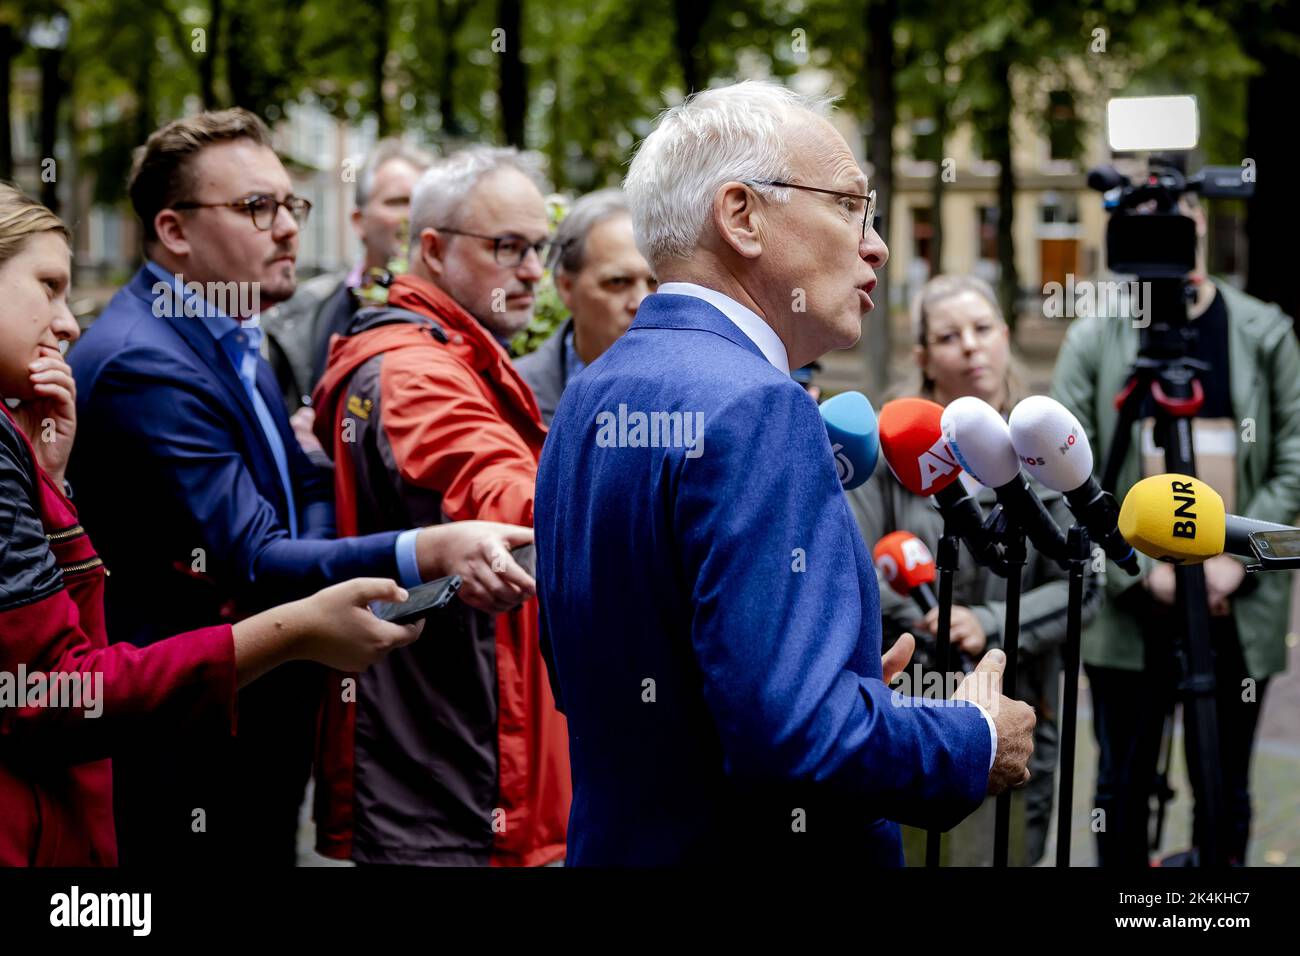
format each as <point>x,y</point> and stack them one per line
<point>1247,438</point>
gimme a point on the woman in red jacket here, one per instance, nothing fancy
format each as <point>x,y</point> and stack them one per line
<point>66,694</point>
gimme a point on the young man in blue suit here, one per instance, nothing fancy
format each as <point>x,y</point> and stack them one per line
<point>711,609</point>
<point>202,503</point>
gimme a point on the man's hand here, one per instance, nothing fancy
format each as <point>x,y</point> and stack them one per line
<point>896,658</point>
<point>303,422</point>
<point>50,420</point>
<point>1160,582</point>
<point>1223,575</point>
<point>479,551</point>
<point>965,632</point>
<point>1013,719</point>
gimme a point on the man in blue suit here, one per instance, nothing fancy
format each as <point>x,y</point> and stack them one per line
<point>710,607</point>
<point>202,503</point>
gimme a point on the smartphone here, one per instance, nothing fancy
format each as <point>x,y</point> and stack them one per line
<point>526,558</point>
<point>422,600</point>
<point>1276,550</point>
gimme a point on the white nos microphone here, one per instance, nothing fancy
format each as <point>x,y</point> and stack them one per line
<point>981,442</point>
<point>1054,448</point>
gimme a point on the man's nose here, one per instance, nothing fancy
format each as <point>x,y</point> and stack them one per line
<point>873,249</point>
<point>530,269</point>
<point>639,292</point>
<point>284,227</point>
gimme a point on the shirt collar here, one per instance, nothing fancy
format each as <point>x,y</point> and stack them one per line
<point>745,319</point>
<point>213,319</point>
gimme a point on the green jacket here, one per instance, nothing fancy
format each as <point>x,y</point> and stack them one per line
<point>1264,371</point>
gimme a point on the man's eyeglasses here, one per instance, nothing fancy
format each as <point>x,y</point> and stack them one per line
<point>510,250</point>
<point>868,214</point>
<point>263,209</point>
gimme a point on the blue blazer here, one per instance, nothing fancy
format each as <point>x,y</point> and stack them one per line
<point>713,623</point>
<point>175,480</point>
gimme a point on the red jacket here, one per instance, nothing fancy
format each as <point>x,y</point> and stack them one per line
<point>427,421</point>
<point>56,783</point>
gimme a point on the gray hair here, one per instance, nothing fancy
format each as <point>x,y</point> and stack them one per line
<point>569,248</point>
<point>715,136</point>
<point>383,152</point>
<point>444,186</point>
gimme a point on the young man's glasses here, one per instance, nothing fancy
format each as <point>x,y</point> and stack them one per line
<point>263,209</point>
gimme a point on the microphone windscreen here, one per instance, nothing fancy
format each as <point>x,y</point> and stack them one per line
<point>1051,443</point>
<point>851,426</point>
<point>980,441</point>
<point>1174,518</point>
<point>912,442</point>
<point>904,561</point>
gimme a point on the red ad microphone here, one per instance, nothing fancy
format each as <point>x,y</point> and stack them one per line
<point>911,439</point>
<point>907,566</point>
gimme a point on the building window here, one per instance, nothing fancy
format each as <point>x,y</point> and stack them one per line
<point>1064,128</point>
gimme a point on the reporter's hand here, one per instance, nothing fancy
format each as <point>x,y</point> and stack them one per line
<point>1223,575</point>
<point>303,422</point>
<point>965,632</point>
<point>334,627</point>
<point>1012,719</point>
<point>1160,582</point>
<point>50,420</point>
<point>479,551</point>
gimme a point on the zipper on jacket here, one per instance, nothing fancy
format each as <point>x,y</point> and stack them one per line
<point>65,533</point>
<point>80,566</point>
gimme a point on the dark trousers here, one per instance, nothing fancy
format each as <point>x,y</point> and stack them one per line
<point>195,796</point>
<point>1129,710</point>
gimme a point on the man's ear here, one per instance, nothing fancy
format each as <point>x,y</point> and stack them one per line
<point>169,227</point>
<point>432,251</point>
<point>738,219</point>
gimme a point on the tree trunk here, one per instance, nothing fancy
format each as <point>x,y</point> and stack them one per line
<point>51,98</point>
<point>449,22</point>
<point>999,139</point>
<point>8,48</point>
<point>513,93</point>
<point>208,65</point>
<point>877,340</point>
<point>379,106</point>
<point>937,191</point>
<point>1271,213</point>
<point>689,17</point>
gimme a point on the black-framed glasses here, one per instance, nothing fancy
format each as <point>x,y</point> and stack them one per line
<point>510,250</point>
<point>261,208</point>
<point>868,215</point>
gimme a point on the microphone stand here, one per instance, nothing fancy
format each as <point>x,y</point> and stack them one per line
<point>1077,550</point>
<point>1013,541</point>
<point>946,566</point>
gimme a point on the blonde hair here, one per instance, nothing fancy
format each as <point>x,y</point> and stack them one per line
<point>936,290</point>
<point>22,217</point>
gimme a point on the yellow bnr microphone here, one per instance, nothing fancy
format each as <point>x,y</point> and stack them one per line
<point>1181,520</point>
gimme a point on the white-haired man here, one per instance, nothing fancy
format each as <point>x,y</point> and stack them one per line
<point>459,756</point>
<point>710,609</point>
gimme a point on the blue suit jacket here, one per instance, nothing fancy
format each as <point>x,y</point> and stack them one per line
<point>714,623</point>
<point>175,480</point>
